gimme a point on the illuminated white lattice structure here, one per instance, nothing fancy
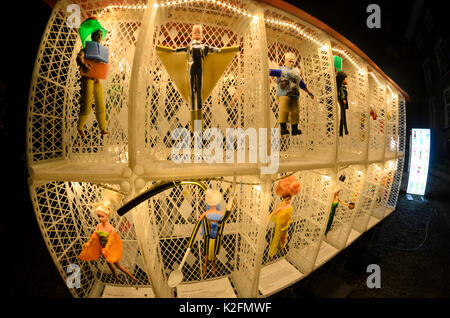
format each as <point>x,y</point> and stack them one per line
<point>68,173</point>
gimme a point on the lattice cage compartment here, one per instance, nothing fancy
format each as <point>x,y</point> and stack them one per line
<point>396,183</point>
<point>354,145</point>
<point>377,104</point>
<point>65,216</point>
<point>309,217</point>
<point>351,192</point>
<point>401,125</point>
<point>235,101</point>
<point>170,219</point>
<point>384,189</point>
<point>392,123</point>
<point>55,93</point>
<point>316,117</point>
<point>369,197</point>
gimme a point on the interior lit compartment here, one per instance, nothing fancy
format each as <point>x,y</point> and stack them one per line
<point>350,184</point>
<point>386,178</point>
<point>392,124</point>
<point>310,212</point>
<point>395,187</point>
<point>367,201</point>
<point>377,116</point>
<point>66,218</point>
<point>317,142</point>
<point>162,105</point>
<point>353,147</point>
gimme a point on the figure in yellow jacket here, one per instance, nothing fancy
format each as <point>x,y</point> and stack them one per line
<point>104,240</point>
<point>282,216</point>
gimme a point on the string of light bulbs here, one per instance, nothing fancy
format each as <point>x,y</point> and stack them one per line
<point>223,4</point>
<point>348,58</point>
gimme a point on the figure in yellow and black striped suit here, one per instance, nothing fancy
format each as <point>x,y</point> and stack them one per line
<point>212,222</point>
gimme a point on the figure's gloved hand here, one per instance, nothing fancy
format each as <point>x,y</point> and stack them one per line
<point>85,67</point>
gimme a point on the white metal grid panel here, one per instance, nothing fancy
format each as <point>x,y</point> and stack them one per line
<point>351,191</point>
<point>65,214</point>
<point>377,103</point>
<point>401,124</point>
<point>384,189</point>
<point>392,122</point>
<point>369,196</point>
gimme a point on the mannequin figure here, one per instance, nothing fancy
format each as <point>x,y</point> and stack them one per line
<point>334,205</point>
<point>288,82</point>
<point>91,87</point>
<point>282,216</point>
<point>341,81</point>
<point>212,222</point>
<point>204,70</point>
<point>105,241</point>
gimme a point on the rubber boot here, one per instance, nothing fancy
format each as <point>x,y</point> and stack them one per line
<point>295,130</point>
<point>284,130</point>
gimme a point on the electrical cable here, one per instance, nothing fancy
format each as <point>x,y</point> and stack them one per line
<point>423,241</point>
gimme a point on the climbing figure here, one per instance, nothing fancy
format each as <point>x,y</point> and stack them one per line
<point>93,62</point>
<point>289,81</point>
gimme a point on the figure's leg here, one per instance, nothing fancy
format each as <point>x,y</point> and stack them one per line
<point>100,109</point>
<point>192,83</point>
<point>341,122</point>
<point>345,121</point>
<point>330,221</point>
<point>125,271</point>
<point>295,117</point>
<point>214,265</point>
<point>113,271</point>
<point>87,89</point>
<point>198,88</point>
<point>283,239</point>
<point>283,114</point>
<point>206,263</point>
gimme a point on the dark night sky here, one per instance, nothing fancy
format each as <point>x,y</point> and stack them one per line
<point>34,273</point>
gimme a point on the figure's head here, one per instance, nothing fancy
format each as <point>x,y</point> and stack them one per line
<point>351,205</point>
<point>290,59</point>
<point>288,187</point>
<point>212,197</point>
<point>341,77</point>
<point>197,32</point>
<point>90,27</point>
<point>103,212</point>
<point>97,36</point>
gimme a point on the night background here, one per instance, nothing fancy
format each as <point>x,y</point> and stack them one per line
<point>26,264</point>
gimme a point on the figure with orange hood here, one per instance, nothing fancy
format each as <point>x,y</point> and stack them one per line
<point>282,216</point>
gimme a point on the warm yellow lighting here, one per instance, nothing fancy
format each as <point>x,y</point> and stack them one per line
<point>376,79</point>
